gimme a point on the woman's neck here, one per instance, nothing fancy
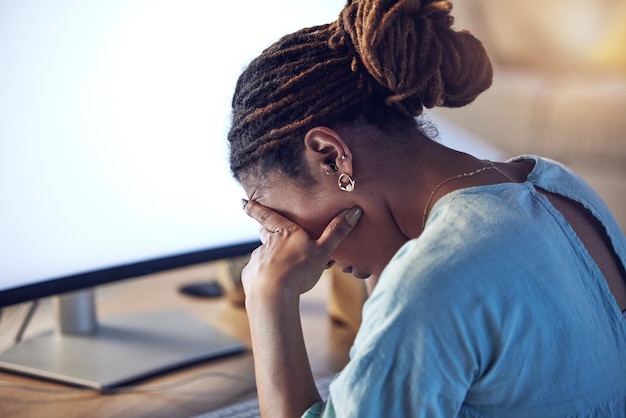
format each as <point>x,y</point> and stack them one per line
<point>414,174</point>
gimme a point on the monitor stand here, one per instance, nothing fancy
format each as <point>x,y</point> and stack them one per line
<point>117,350</point>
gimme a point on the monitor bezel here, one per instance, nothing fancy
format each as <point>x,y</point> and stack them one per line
<point>47,287</point>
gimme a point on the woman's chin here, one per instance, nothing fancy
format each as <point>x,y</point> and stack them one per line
<point>355,273</point>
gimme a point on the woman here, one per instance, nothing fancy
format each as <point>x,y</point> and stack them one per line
<point>500,286</point>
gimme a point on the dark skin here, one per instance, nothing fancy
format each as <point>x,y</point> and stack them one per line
<point>306,229</point>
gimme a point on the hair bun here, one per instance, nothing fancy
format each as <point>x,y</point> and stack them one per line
<point>411,51</point>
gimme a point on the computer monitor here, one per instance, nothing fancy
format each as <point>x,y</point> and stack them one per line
<point>113,164</point>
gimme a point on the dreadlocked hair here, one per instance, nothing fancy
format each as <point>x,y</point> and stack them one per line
<point>381,62</point>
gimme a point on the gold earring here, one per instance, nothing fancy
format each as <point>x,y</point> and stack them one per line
<point>345,183</point>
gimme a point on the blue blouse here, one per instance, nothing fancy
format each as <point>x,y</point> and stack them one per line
<point>496,310</point>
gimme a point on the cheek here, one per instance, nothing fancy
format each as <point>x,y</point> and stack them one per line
<point>351,249</point>
<point>362,249</point>
<point>314,219</point>
<point>309,217</point>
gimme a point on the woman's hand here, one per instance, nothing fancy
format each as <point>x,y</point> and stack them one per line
<point>287,264</point>
<point>288,261</point>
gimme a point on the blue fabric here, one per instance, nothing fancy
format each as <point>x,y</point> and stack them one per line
<point>497,310</point>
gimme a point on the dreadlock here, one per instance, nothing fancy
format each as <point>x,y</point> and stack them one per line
<point>381,62</point>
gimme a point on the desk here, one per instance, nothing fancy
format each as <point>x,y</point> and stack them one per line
<point>196,389</point>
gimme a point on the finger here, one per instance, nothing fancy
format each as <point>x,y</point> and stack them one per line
<point>339,228</point>
<point>264,235</point>
<point>270,220</point>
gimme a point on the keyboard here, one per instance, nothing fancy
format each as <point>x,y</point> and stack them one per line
<point>250,408</point>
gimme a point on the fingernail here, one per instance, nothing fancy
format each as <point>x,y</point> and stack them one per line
<point>353,215</point>
<point>244,203</point>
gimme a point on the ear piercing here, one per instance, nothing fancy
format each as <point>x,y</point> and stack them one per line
<point>345,183</point>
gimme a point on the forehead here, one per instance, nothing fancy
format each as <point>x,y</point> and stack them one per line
<point>268,188</point>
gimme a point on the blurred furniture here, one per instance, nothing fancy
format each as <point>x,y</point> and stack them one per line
<point>346,298</point>
<point>559,86</point>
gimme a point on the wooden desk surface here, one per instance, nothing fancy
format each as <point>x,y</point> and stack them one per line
<point>184,392</point>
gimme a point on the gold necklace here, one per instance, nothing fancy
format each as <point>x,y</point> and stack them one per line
<point>489,166</point>
<point>503,173</point>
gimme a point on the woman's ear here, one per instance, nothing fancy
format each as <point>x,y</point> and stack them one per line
<point>326,152</point>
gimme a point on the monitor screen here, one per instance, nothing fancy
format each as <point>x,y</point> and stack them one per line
<point>113,121</point>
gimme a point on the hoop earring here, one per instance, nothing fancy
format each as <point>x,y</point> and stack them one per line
<point>346,184</point>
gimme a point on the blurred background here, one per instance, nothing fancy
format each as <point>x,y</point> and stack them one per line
<point>559,85</point>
